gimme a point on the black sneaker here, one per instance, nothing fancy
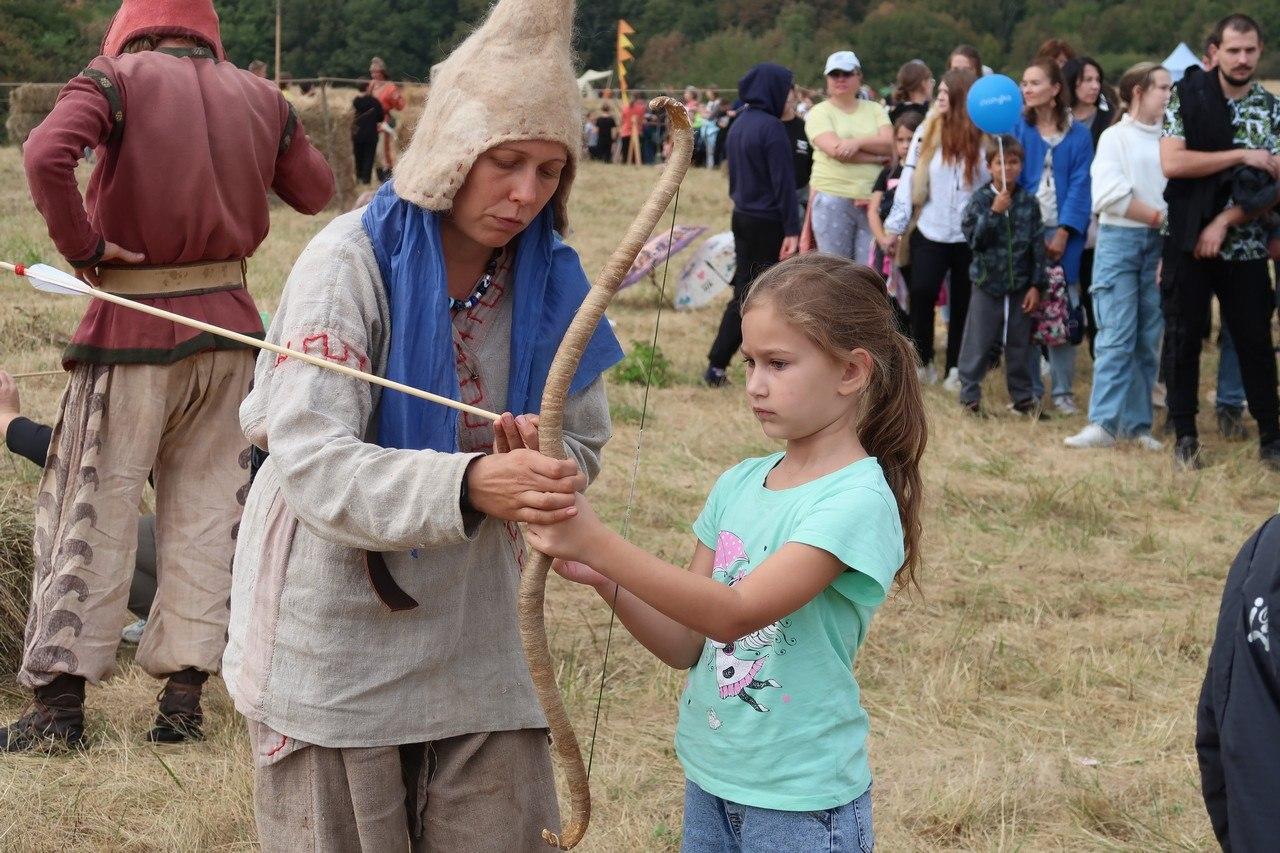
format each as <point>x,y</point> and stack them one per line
<point>1030,408</point>
<point>715,377</point>
<point>1186,454</point>
<point>180,718</point>
<point>45,728</point>
<point>1269,453</point>
<point>1231,423</point>
<point>973,407</point>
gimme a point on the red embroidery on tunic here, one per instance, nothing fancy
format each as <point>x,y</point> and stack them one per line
<point>320,345</point>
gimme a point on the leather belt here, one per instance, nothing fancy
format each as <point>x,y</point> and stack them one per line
<point>179,280</point>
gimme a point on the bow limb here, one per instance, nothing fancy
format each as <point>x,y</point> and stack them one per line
<point>533,580</point>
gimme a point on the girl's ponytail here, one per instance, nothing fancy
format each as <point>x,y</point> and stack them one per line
<point>843,306</point>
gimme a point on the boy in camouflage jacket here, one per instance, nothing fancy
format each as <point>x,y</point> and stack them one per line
<point>1005,232</point>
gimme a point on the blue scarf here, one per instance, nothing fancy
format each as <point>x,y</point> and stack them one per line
<point>549,288</point>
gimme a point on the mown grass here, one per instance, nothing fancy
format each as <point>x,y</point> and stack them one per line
<point>1038,696</point>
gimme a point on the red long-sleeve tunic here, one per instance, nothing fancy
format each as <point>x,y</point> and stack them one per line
<point>185,182</point>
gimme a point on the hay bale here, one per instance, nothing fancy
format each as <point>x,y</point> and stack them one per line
<point>415,98</point>
<point>29,104</point>
<point>16,561</point>
<point>328,123</point>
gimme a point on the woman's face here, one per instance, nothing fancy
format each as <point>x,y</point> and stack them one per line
<point>1036,88</point>
<point>1155,98</point>
<point>506,189</point>
<point>1089,86</point>
<point>963,62</point>
<point>843,82</point>
<point>943,103</point>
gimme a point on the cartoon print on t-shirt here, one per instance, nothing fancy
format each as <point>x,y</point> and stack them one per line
<point>739,664</point>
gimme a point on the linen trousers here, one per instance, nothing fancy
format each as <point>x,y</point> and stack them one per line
<point>489,792</point>
<point>118,424</point>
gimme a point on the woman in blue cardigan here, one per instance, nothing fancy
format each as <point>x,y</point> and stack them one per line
<point>1058,153</point>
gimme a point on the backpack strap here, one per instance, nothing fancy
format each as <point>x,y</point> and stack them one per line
<point>290,128</point>
<point>111,92</point>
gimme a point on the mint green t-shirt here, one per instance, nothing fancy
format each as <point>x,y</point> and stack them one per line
<point>774,720</point>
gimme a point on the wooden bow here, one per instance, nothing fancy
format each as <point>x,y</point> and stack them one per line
<point>533,580</point>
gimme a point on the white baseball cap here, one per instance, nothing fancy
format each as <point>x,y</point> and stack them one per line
<point>843,60</point>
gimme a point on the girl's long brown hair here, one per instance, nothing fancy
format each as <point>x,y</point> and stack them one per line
<point>961,139</point>
<point>842,306</point>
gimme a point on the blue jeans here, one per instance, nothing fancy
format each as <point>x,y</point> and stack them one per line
<point>713,825</point>
<point>1062,359</point>
<point>1126,303</point>
<point>1230,394</point>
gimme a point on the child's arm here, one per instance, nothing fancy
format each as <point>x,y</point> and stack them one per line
<point>781,584</point>
<point>873,219</point>
<point>672,643</point>
<point>979,222</point>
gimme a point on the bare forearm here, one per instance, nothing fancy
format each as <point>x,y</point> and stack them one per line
<point>1181,163</point>
<point>672,643</point>
<point>1138,211</point>
<point>878,144</point>
<point>702,605</point>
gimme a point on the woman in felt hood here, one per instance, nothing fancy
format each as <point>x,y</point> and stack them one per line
<point>373,643</point>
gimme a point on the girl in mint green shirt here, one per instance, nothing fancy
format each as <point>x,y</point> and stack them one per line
<point>795,553</point>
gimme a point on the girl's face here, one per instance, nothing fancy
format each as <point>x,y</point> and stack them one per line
<point>902,142</point>
<point>1089,86</point>
<point>796,388</point>
<point>943,103</point>
<point>1036,88</point>
<point>1155,98</point>
<point>959,60</point>
<point>506,188</point>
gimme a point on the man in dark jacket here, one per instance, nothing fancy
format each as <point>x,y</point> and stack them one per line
<point>762,184</point>
<point>1217,121</point>
<point>1238,742</point>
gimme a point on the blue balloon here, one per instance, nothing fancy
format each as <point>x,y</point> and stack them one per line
<point>995,104</point>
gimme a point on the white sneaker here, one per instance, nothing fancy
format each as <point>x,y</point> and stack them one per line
<point>1066,405</point>
<point>1147,441</point>
<point>952,382</point>
<point>928,375</point>
<point>132,633</point>
<point>1044,367</point>
<point>1091,436</point>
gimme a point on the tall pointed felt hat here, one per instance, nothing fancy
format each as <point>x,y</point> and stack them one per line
<point>512,79</point>
<point>184,18</point>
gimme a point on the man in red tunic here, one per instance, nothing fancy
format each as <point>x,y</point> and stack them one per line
<point>188,147</point>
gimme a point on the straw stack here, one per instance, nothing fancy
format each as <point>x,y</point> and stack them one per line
<point>28,106</point>
<point>414,99</point>
<point>328,122</point>
<point>15,580</point>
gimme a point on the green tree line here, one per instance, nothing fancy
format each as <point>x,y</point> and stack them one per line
<point>679,42</point>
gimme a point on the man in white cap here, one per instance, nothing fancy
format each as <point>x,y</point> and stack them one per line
<point>373,644</point>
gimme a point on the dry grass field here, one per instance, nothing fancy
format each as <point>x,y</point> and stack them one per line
<point>1039,695</point>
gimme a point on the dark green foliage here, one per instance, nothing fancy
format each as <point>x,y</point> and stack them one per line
<point>703,42</point>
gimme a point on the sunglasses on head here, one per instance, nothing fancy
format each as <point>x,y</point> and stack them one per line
<point>840,75</point>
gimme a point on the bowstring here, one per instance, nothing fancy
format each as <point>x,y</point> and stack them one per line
<point>635,475</point>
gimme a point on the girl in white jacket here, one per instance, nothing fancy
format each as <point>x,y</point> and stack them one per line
<point>1128,197</point>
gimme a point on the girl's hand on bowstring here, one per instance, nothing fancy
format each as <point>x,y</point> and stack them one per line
<point>515,433</point>
<point>575,572</point>
<point>575,539</point>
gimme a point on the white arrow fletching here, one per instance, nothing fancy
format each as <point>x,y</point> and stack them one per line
<point>52,280</point>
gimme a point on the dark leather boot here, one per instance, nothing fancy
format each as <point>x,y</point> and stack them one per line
<point>54,719</point>
<point>180,717</point>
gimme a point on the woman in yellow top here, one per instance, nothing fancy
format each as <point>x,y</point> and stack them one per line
<point>852,139</point>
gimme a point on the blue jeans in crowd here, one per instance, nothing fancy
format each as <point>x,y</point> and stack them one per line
<point>1230,394</point>
<point>1062,358</point>
<point>1126,305</point>
<point>713,825</point>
